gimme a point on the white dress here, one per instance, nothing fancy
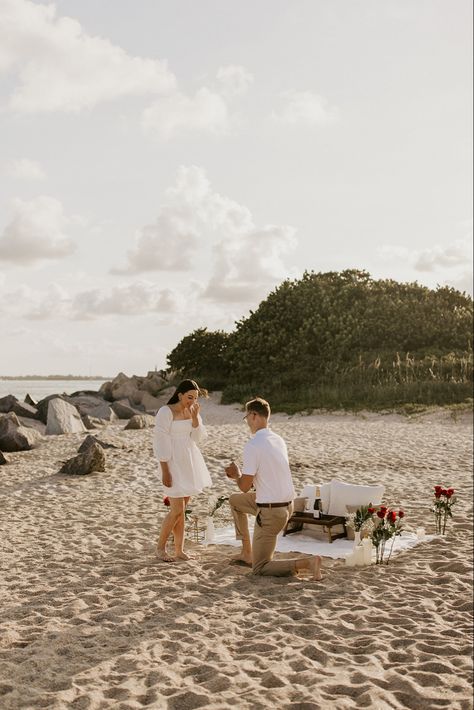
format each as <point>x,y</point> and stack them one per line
<point>175,441</point>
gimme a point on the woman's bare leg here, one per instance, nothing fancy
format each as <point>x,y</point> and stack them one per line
<point>178,534</point>
<point>168,526</point>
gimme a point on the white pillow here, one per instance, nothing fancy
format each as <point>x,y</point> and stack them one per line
<point>343,494</point>
<point>322,490</point>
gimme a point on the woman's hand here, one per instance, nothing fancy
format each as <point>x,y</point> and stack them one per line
<point>166,474</point>
<point>194,411</point>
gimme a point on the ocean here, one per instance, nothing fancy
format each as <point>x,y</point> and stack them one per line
<point>37,389</point>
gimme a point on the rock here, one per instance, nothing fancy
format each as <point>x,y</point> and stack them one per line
<point>93,406</point>
<point>86,393</point>
<point>92,459</point>
<point>31,401</point>
<point>63,418</point>
<point>43,405</point>
<point>140,421</point>
<point>14,437</point>
<point>3,459</point>
<point>7,403</point>
<point>152,404</point>
<point>106,391</point>
<point>90,440</point>
<point>33,424</point>
<point>123,410</point>
<point>22,409</point>
<point>93,422</point>
<point>153,383</point>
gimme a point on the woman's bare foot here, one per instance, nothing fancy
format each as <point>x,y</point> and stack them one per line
<point>247,559</point>
<point>315,568</point>
<point>163,555</point>
<point>183,556</point>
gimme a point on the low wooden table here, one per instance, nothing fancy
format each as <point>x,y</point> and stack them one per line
<point>300,518</point>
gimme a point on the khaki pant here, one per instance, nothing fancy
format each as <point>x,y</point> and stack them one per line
<point>272,521</point>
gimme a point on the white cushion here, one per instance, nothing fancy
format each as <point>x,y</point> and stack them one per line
<point>343,494</point>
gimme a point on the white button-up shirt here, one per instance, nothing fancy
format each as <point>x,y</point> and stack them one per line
<point>266,458</point>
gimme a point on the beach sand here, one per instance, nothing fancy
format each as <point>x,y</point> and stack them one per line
<point>91,619</point>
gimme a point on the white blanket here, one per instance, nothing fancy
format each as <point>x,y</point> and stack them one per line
<point>311,544</point>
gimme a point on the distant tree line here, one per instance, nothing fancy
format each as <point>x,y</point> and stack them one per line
<point>340,339</point>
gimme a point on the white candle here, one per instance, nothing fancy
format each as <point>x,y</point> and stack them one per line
<point>420,533</point>
<point>367,548</point>
<point>359,556</point>
<point>350,560</point>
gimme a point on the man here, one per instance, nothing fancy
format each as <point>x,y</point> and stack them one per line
<point>266,467</point>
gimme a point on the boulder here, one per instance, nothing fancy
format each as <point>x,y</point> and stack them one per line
<point>3,459</point>
<point>14,436</point>
<point>7,403</point>
<point>43,405</point>
<point>123,410</point>
<point>22,409</point>
<point>33,424</point>
<point>105,391</point>
<point>93,422</point>
<point>140,421</point>
<point>30,400</point>
<point>93,406</point>
<point>92,459</point>
<point>63,418</point>
<point>153,383</point>
<point>91,440</point>
<point>152,404</point>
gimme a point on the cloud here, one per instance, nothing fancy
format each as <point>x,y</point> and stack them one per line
<point>59,67</point>
<point>458,253</point>
<point>305,108</point>
<point>192,213</point>
<point>36,232</point>
<point>135,299</point>
<point>249,265</point>
<point>234,80</point>
<point>175,114</point>
<point>24,169</point>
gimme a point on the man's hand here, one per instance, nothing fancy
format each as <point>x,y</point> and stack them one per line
<point>233,471</point>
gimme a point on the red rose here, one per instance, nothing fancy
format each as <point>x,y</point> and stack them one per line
<point>381,514</point>
<point>166,501</point>
<point>392,516</point>
<point>449,492</point>
<point>444,492</point>
<point>401,514</point>
<point>438,488</point>
<point>371,511</point>
<point>438,493</point>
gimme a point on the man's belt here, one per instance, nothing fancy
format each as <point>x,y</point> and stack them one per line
<point>273,505</point>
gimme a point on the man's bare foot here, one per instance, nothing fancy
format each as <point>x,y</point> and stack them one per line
<point>163,555</point>
<point>183,556</point>
<point>315,568</point>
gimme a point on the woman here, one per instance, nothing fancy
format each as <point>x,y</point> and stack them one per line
<point>178,428</point>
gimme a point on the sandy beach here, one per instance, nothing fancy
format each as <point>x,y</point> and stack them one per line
<point>91,619</point>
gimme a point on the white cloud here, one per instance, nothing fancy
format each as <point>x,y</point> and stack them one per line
<point>175,114</point>
<point>196,221</point>
<point>36,232</point>
<point>249,265</point>
<point>61,68</point>
<point>234,80</point>
<point>306,108</point>
<point>135,299</point>
<point>191,214</point>
<point>25,169</point>
<point>458,253</point>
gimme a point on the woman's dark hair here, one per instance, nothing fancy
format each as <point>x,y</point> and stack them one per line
<point>185,386</point>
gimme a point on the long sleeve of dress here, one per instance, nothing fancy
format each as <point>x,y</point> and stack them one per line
<point>199,433</point>
<point>161,436</point>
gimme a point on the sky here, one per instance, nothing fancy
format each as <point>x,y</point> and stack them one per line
<point>164,165</point>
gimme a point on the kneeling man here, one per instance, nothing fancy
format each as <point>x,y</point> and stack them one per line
<point>266,467</point>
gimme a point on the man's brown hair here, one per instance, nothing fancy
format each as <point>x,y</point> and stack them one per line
<point>259,406</point>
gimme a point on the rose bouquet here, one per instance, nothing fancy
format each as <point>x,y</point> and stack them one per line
<point>443,502</point>
<point>388,524</point>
